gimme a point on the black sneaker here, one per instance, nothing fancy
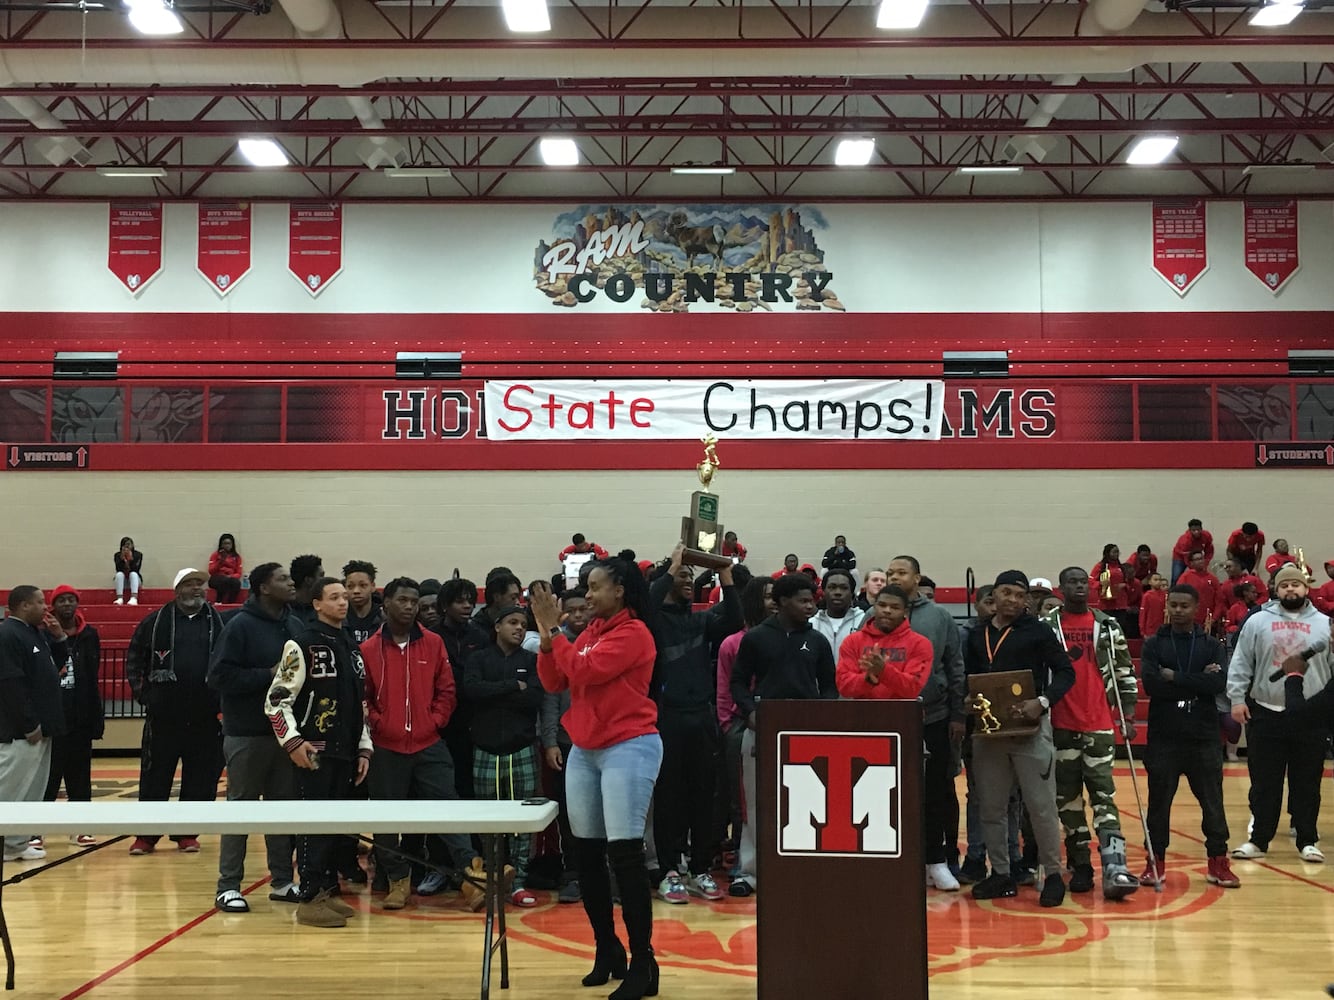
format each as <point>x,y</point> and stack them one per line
<point>1023,875</point>
<point>1081,880</point>
<point>1053,891</point>
<point>740,889</point>
<point>995,886</point>
<point>972,870</point>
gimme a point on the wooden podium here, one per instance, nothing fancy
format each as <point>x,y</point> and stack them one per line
<point>841,885</point>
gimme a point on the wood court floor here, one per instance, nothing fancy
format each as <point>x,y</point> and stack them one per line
<point>110,926</point>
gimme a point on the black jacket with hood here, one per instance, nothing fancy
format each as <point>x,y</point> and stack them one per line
<point>1029,644</point>
<point>241,668</point>
<point>782,664</point>
<point>684,676</point>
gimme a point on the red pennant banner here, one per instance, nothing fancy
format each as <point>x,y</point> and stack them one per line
<point>315,245</point>
<point>1271,241</point>
<point>224,243</point>
<point>134,243</point>
<point>1180,254</point>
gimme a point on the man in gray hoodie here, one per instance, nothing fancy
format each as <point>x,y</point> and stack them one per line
<point>1285,634</point>
<point>942,704</point>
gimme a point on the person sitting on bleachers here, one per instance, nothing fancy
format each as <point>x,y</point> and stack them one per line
<point>129,563</point>
<point>224,570</point>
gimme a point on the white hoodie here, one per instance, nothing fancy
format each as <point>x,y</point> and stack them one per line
<point>1269,637</point>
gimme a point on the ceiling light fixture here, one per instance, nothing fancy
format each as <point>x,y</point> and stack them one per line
<point>558,152</point>
<point>900,15</point>
<point>526,15</point>
<point>153,17</point>
<point>262,153</point>
<point>697,170</point>
<point>117,170</point>
<point>1275,15</point>
<point>406,172</point>
<point>1279,168</point>
<point>991,168</point>
<point>1152,150</point>
<point>854,152</point>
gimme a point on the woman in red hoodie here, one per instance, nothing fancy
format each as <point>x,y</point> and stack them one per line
<point>224,570</point>
<point>614,762</point>
<point>885,658</point>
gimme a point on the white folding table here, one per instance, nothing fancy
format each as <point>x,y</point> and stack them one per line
<point>491,820</point>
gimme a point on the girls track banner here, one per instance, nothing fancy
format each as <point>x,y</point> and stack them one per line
<point>674,409</point>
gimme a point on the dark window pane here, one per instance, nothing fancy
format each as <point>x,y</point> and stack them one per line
<point>1254,412</point>
<point>245,414</point>
<point>23,413</point>
<point>1174,413</point>
<point>87,414</point>
<point>313,414</point>
<point>167,414</point>
<point>1315,412</point>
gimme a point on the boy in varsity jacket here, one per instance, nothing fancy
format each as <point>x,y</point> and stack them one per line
<point>316,708</point>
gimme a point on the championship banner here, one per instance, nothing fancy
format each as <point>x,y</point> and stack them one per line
<point>223,256</point>
<point>1180,254</point>
<point>134,243</point>
<point>587,409</point>
<point>315,244</point>
<point>1271,241</point>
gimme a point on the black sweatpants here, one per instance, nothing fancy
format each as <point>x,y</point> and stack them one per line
<point>555,783</point>
<point>316,853</point>
<point>227,588</point>
<point>72,763</point>
<point>1169,758</point>
<point>684,796</point>
<point>1276,746</point>
<point>194,744</point>
<point>941,804</point>
<point>428,776</point>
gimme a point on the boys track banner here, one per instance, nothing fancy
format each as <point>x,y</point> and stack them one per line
<point>584,409</point>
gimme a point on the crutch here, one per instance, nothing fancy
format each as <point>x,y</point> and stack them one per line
<point>1139,803</point>
<point>969,589</point>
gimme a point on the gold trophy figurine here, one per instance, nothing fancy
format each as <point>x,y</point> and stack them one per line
<point>1306,570</point>
<point>700,531</point>
<point>986,719</point>
<point>1105,578</point>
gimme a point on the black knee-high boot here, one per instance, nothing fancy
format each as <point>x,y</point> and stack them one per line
<point>627,860</point>
<point>590,860</point>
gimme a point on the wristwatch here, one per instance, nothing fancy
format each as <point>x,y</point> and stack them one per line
<point>554,631</point>
<point>1046,705</point>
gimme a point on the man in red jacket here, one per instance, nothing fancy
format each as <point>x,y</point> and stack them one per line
<point>1144,565</point>
<point>1323,597</point>
<point>1228,592</point>
<point>1280,558</point>
<point>1245,545</point>
<point>1195,539</point>
<point>409,699</point>
<point>885,658</point>
<point>1205,584</point>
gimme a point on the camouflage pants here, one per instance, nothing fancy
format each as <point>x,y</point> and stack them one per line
<point>1084,760</point>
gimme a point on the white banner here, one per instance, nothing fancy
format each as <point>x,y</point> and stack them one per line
<point>584,409</point>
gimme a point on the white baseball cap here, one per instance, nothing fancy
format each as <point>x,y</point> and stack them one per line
<point>185,574</point>
<point>1039,583</point>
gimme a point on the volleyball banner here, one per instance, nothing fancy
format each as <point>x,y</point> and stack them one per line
<point>134,243</point>
<point>586,409</point>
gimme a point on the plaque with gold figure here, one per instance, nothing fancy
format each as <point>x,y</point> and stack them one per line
<point>992,699</point>
<point>701,531</point>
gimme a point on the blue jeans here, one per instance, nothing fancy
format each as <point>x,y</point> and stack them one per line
<point>608,791</point>
<point>1177,569</point>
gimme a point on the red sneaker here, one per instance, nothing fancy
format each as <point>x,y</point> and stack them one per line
<point>142,845</point>
<point>1220,873</point>
<point>1154,871</point>
<point>188,845</point>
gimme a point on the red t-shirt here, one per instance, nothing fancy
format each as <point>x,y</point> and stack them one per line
<point>1246,545</point>
<point>1084,708</point>
<point>1188,543</point>
<point>1120,599</point>
<point>1207,586</point>
<point>1152,612</point>
<point>1277,561</point>
<point>1144,570</point>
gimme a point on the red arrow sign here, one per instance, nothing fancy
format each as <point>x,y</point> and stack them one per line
<point>14,456</point>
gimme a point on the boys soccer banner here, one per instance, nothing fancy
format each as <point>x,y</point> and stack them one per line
<point>587,409</point>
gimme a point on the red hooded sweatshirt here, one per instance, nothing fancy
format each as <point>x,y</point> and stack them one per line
<point>607,671</point>
<point>908,658</point>
<point>1188,543</point>
<point>409,692</point>
<point>1152,612</point>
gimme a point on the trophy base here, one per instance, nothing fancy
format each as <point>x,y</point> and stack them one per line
<point>691,530</point>
<point>705,560</point>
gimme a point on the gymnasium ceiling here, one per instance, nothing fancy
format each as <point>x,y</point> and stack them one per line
<point>767,87</point>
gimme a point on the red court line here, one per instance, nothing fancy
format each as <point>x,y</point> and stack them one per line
<point>1262,864</point>
<point>155,946</point>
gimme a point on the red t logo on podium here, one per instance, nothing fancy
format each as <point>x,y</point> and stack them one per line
<point>852,808</point>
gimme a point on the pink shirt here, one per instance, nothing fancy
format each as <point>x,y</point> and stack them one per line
<point>727,710</point>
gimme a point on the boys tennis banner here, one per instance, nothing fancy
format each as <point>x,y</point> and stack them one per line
<point>586,409</point>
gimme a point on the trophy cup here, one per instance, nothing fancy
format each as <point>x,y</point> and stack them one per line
<point>701,533</point>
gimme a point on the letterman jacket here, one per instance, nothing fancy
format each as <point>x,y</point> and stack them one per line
<point>317,694</point>
<point>1112,656</point>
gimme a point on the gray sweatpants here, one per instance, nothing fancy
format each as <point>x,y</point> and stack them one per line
<point>747,851</point>
<point>257,767</point>
<point>24,768</point>
<point>1000,762</point>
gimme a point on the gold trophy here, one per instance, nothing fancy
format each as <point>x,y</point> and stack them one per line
<point>1105,578</point>
<point>700,531</point>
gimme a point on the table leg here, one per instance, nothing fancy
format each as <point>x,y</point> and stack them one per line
<point>4,933</point>
<point>502,845</point>
<point>492,894</point>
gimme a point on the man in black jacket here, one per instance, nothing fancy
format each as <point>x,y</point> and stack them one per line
<point>458,599</point>
<point>839,556</point>
<point>1182,668</point>
<point>782,657</point>
<point>81,699</point>
<point>1015,640</point>
<point>166,666</point>
<point>685,686</point>
<point>240,671</point>
<point>30,710</point>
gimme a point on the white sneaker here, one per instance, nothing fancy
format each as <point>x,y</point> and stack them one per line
<point>134,601</point>
<point>1248,852</point>
<point>83,839</point>
<point>119,600</point>
<point>27,854</point>
<point>939,876</point>
<point>1313,855</point>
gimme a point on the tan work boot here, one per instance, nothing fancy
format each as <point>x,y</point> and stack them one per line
<point>317,913</point>
<point>336,904</point>
<point>397,896</point>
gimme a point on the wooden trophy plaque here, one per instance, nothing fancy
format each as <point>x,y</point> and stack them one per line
<point>1001,692</point>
